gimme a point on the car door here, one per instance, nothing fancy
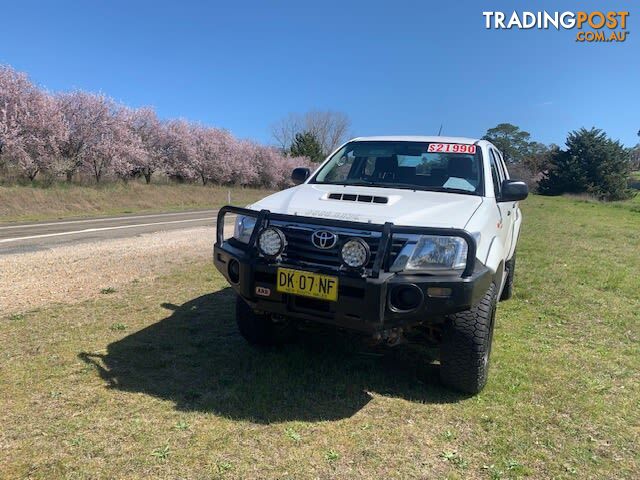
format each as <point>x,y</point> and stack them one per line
<point>510,208</point>
<point>505,214</point>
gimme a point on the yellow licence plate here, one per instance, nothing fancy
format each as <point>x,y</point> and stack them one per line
<point>307,284</point>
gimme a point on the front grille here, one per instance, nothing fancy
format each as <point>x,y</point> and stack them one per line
<point>301,249</point>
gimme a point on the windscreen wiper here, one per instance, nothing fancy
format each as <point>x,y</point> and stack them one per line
<point>449,190</point>
<point>356,183</point>
<point>363,183</point>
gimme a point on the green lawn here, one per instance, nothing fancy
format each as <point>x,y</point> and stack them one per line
<point>27,203</point>
<point>153,381</point>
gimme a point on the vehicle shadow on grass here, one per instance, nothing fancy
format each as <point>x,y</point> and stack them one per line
<point>196,358</point>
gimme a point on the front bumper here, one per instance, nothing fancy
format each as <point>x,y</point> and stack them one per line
<point>363,302</point>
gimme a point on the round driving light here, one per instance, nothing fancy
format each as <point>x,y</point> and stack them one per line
<point>271,242</point>
<point>355,253</point>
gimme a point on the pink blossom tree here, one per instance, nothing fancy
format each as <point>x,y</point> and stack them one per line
<point>84,132</point>
<point>275,168</point>
<point>119,150</point>
<point>31,126</point>
<point>151,139</point>
<point>99,138</point>
<point>179,150</point>
<point>212,153</point>
<point>244,159</point>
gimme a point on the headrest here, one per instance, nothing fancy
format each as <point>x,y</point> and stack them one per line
<point>386,164</point>
<point>407,173</point>
<point>460,167</point>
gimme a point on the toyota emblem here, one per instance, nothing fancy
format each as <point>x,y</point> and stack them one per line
<point>324,239</point>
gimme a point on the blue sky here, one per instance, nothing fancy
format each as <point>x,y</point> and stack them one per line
<point>394,67</point>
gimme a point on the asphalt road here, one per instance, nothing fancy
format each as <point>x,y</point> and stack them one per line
<point>26,237</point>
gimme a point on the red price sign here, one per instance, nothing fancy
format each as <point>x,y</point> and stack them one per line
<point>451,148</point>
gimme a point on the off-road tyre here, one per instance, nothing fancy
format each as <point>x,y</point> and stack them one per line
<point>261,329</point>
<point>507,291</point>
<point>466,345</point>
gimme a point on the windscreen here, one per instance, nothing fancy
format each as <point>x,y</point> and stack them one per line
<point>415,165</point>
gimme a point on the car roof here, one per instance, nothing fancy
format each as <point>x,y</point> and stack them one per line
<point>417,138</point>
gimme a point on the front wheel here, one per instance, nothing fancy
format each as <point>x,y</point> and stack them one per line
<point>262,329</point>
<point>466,345</point>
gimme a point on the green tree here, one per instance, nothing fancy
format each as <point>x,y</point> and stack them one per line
<point>592,163</point>
<point>306,144</point>
<point>538,158</point>
<point>515,144</point>
<point>635,156</point>
<point>530,168</point>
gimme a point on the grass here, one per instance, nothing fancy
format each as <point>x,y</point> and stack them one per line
<point>26,203</point>
<point>178,394</point>
<point>633,204</point>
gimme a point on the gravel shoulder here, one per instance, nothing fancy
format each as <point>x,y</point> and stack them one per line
<point>72,273</point>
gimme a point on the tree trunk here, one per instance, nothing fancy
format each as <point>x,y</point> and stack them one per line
<point>147,176</point>
<point>69,175</point>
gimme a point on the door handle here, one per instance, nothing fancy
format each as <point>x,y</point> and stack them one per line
<point>509,213</point>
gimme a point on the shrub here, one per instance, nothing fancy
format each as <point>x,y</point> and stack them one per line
<point>592,163</point>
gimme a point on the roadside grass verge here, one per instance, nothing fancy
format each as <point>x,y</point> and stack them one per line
<point>154,381</point>
<point>26,203</point>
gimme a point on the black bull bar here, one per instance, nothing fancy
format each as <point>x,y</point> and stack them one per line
<point>263,217</point>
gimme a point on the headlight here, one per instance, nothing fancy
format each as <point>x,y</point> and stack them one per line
<point>271,242</point>
<point>244,228</point>
<point>355,253</point>
<point>433,253</point>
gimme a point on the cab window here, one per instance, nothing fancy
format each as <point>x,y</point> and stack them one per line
<point>502,167</point>
<point>496,174</point>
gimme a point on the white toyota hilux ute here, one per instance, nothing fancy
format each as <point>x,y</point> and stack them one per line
<point>397,238</point>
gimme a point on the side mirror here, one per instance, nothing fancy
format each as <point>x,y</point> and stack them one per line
<point>513,191</point>
<point>300,174</point>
